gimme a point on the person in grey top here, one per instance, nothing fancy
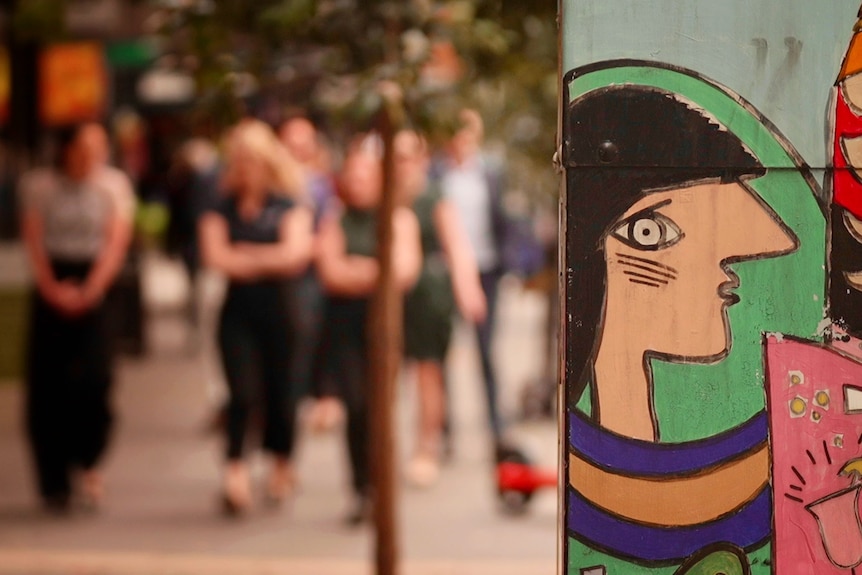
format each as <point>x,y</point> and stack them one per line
<point>76,227</point>
<point>474,186</point>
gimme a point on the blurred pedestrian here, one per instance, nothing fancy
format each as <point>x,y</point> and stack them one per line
<point>257,236</point>
<point>474,185</point>
<point>77,226</point>
<point>303,140</point>
<point>449,276</point>
<point>349,271</point>
<point>193,191</point>
<point>307,299</point>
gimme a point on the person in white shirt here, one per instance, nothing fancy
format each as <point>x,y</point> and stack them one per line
<point>76,226</point>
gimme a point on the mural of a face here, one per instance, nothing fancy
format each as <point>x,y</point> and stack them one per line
<point>667,267</point>
<point>672,184</point>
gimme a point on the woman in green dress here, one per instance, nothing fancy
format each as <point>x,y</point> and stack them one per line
<point>449,279</point>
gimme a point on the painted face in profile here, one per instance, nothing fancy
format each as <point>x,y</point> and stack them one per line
<point>667,267</point>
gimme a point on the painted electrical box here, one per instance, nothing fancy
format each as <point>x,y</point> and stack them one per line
<point>712,281</point>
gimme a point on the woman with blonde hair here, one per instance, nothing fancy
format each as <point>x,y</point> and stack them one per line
<point>258,236</point>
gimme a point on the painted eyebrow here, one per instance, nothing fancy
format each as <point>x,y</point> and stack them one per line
<point>653,207</point>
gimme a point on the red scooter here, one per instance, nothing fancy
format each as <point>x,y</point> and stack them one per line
<point>518,479</point>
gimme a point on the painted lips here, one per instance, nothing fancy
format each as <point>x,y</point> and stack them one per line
<point>725,290</point>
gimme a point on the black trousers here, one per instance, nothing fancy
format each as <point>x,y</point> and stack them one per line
<point>306,304</point>
<point>68,412</point>
<point>485,333</point>
<point>343,361</point>
<point>255,339</point>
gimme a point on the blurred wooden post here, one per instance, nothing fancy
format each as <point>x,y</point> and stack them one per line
<point>385,327</point>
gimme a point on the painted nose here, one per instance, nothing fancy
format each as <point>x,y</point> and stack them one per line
<point>748,229</point>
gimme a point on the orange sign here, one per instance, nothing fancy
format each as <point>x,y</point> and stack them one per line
<point>73,83</point>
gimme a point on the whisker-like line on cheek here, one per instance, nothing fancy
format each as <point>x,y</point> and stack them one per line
<point>646,277</point>
<point>648,261</point>
<point>648,269</point>
<point>646,283</point>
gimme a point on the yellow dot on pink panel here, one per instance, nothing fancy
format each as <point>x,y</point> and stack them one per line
<point>797,406</point>
<point>838,440</point>
<point>822,399</point>
<point>816,416</point>
<point>796,377</point>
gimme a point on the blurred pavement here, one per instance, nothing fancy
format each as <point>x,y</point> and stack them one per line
<point>161,514</point>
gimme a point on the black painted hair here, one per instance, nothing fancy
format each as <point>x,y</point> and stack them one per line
<point>623,142</point>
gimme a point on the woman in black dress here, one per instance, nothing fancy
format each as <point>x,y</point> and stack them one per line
<point>258,236</point>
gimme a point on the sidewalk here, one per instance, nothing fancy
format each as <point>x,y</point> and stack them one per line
<point>163,475</point>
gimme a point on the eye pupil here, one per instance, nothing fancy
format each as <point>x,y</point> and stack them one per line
<point>647,232</point>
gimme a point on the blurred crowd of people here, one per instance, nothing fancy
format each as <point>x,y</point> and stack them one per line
<point>292,237</point>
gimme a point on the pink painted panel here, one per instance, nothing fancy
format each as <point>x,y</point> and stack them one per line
<point>817,458</point>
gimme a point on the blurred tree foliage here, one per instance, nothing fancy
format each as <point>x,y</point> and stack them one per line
<point>38,20</point>
<point>332,57</point>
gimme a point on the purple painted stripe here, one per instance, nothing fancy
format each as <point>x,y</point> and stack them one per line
<point>597,528</point>
<point>645,458</point>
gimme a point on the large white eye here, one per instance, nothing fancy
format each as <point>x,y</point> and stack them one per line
<point>648,230</point>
